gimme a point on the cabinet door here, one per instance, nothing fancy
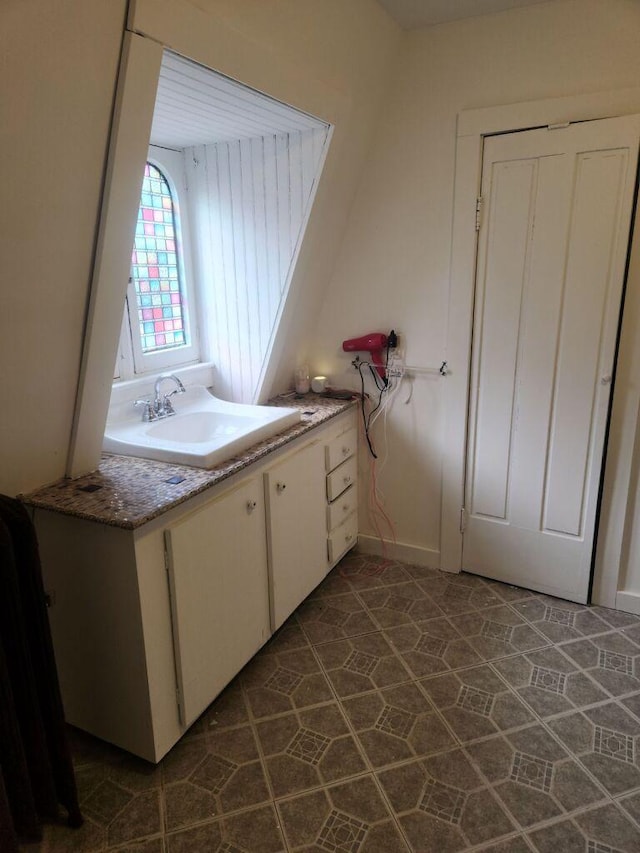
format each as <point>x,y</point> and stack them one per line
<point>219,593</point>
<point>297,534</point>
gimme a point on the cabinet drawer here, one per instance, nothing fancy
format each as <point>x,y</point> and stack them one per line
<point>341,478</point>
<point>342,507</point>
<point>343,538</point>
<point>341,449</point>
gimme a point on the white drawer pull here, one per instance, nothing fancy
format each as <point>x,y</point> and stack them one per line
<point>348,537</point>
<point>281,487</point>
<point>251,505</point>
<point>346,451</point>
<point>346,480</point>
<point>345,508</point>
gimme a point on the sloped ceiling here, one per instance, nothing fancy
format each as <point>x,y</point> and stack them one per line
<point>413,14</point>
<point>196,106</point>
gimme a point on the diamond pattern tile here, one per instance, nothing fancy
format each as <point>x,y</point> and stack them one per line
<point>606,739</point>
<point>397,724</point>
<point>443,804</point>
<point>214,773</point>
<point>348,817</point>
<point>604,829</point>
<point>612,660</point>
<point>340,832</point>
<point>548,679</point>
<point>498,632</point>
<point>532,771</point>
<point>614,744</point>
<point>431,646</point>
<point>475,700</point>
<point>559,616</point>
<point>284,681</point>
<point>398,710</point>
<point>400,604</point>
<point>476,703</point>
<point>615,662</point>
<point>332,618</point>
<point>533,775</point>
<point>597,847</point>
<point>309,746</point>
<point>549,682</point>
<point>442,801</point>
<point>559,620</point>
<point>395,721</point>
<point>308,749</point>
<point>361,663</point>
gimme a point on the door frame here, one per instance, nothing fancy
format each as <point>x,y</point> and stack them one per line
<point>472,127</point>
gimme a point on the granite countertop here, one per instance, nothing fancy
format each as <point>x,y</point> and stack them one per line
<point>127,491</point>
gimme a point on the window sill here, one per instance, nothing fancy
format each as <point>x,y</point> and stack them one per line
<point>142,386</point>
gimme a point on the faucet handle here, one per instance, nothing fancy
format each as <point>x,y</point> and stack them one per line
<point>165,406</point>
<point>148,413</point>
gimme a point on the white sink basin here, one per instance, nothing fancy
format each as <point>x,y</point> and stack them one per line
<point>204,432</point>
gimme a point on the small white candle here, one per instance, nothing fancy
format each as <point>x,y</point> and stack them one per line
<point>319,384</point>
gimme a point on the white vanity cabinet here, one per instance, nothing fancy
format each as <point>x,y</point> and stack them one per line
<point>341,464</point>
<point>218,580</point>
<point>110,618</point>
<point>150,624</point>
<point>294,490</point>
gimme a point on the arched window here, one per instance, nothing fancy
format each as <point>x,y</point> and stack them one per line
<point>155,270</point>
<point>160,324</point>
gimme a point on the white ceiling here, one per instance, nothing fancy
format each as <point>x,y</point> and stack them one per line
<point>412,14</point>
<point>196,106</point>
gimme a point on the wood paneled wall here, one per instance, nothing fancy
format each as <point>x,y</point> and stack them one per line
<point>249,201</point>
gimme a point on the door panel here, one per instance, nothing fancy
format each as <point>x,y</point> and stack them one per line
<point>551,260</point>
<point>219,593</point>
<point>511,218</point>
<point>593,229</point>
<point>295,490</point>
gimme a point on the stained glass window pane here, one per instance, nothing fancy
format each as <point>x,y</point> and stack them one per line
<point>154,267</point>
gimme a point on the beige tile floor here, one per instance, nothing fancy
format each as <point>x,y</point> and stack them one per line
<point>399,709</point>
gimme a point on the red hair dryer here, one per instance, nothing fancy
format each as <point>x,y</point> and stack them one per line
<point>373,343</point>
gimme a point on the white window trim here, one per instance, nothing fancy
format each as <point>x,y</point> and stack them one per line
<point>131,361</point>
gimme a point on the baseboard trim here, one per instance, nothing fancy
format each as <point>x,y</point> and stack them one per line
<point>628,601</point>
<point>417,555</point>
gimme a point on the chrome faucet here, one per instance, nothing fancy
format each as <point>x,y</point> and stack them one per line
<point>161,403</point>
<point>160,406</point>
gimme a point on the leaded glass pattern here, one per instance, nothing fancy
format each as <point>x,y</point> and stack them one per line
<point>154,267</point>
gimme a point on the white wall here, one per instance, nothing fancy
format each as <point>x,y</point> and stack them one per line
<point>59,63</point>
<point>248,204</point>
<point>393,269</point>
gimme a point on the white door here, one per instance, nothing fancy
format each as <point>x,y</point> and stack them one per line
<point>551,261</point>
